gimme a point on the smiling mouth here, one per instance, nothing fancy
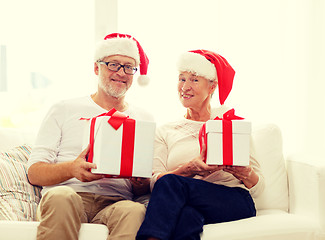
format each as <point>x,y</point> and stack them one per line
<point>187,96</point>
<point>118,81</point>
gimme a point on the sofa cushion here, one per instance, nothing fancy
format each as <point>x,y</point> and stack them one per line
<point>269,225</point>
<point>28,231</point>
<point>13,137</point>
<point>267,140</point>
<point>18,198</point>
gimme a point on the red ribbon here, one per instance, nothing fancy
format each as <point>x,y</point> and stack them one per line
<point>116,120</point>
<point>227,145</point>
<point>127,148</point>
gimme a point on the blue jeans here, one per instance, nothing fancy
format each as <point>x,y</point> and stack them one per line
<point>180,206</point>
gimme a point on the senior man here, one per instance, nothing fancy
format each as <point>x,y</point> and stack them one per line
<point>71,194</point>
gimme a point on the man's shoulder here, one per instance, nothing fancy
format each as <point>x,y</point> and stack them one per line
<point>71,102</point>
<point>70,107</point>
<point>139,113</point>
<point>75,101</point>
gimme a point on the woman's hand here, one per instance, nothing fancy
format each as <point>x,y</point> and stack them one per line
<point>246,174</point>
<point>197,166</point>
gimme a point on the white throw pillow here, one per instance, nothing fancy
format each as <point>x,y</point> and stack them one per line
<point>13,137</point>
<point>268,145</point>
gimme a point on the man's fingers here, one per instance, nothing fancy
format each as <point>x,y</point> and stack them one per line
<point>85,152</point>
<point>88,176</point>
<point>88,165</point>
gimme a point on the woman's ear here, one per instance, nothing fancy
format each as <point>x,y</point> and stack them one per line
<point>214,85</point>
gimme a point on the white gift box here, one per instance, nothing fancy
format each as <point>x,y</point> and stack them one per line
<point>107,148</point>
<point>241,132</point>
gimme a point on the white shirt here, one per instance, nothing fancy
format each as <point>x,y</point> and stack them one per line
<point>61,139</point>
<point>177,143</point>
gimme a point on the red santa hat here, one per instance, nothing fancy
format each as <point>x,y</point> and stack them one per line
<point>211,66</point>
<point>126,45</point>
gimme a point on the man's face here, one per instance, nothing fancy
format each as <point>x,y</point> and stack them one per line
<point>114,83</point>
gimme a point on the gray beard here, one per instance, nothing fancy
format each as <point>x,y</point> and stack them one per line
<point>114,92</point>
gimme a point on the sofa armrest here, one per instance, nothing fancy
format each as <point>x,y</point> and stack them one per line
<point>307,187</point>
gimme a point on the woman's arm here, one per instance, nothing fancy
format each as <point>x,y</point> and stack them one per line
<point>196,166</point>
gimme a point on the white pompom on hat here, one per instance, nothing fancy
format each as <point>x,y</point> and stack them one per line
<point>210,65</point>
<point>126,45</point>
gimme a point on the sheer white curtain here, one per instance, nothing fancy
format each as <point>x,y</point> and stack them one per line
<point>276,48</point>
<point>49,50</point>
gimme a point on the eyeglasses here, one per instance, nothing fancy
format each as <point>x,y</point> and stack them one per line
<point>113,66</point>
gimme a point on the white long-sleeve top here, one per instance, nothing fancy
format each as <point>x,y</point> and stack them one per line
<point>177,143</point>
<point>62,136</point>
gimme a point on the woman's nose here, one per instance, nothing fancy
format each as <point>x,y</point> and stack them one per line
<point>186,86</point>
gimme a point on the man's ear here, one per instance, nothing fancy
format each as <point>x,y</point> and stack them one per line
<point>96,68</point>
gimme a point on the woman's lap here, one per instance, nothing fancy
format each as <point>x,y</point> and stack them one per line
<point>211,203</point>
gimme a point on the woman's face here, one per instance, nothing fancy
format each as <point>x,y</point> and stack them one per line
<point>194,91</point>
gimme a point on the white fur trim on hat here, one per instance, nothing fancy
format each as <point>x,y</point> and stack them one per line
<point>198,65</point>
<point>117,46</point>
<point>143,80</point>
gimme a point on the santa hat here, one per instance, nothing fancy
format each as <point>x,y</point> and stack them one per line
<point>211,66</point>
<point>126,45</point>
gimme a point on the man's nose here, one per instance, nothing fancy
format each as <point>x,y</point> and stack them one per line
<point>121,71</point>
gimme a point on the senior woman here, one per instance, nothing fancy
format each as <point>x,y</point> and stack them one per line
<point>188,193</point>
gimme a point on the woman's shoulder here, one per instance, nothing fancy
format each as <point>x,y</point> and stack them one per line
<point>180,128</point>
<point>171,125</point>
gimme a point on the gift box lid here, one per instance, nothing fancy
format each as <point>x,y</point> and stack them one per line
<point>238,126</point>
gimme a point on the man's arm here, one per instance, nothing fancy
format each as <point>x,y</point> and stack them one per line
<point>46,174</point>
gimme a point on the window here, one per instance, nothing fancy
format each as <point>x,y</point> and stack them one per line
<point>46,55</point>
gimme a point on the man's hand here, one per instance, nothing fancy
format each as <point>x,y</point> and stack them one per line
<point>80,168</point>
<point>140,186</point>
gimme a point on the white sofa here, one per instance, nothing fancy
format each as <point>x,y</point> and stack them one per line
<point>292,206</point>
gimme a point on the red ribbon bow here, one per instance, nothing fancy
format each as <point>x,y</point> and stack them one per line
<point>116,120</point>
<point>226,136</point>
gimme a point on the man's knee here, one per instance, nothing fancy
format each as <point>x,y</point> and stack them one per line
<point>59,213</point>
<point>127,207</point>
<point>60,194</point>
<point>60,199</point>
<point>122,211</point>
